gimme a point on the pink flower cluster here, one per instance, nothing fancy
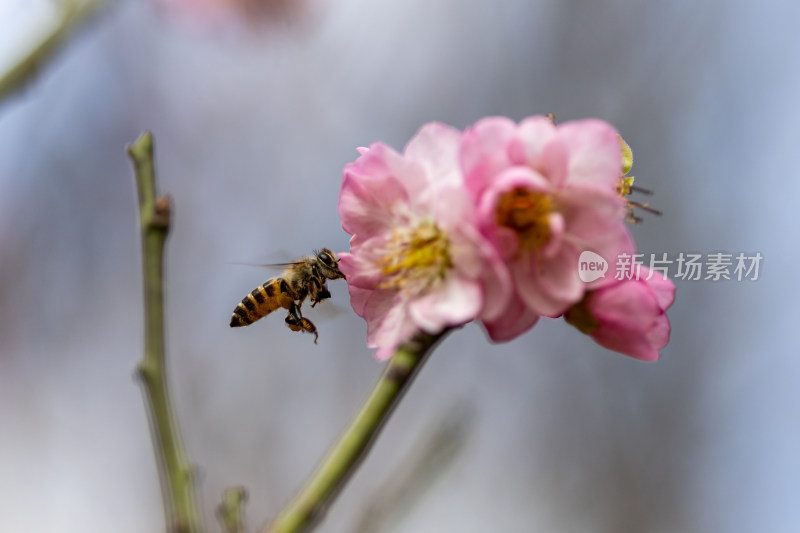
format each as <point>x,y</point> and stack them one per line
<point>217,14</point>
<point>489,224</point>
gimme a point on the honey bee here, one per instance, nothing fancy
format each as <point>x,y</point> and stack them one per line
<point>306,277</point>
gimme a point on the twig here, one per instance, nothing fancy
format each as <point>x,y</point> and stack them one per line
<point>177,483</point>
<point>72,14</point>
<point>308,507</point>
<point>231,510</point>
<point>412,478</point>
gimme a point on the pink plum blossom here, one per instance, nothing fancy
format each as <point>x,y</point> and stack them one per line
<point>627,316</point>
<point>544,194</point>
<point>490,224</point>
<point>217,14</point>
<point>417,260</point>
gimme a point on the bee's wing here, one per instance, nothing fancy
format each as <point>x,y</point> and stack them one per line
<point>270,266</point>
<point>327,310</point>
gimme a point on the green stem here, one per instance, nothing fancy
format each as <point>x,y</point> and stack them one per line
<point>177,483</point>
<point>72,14</point>
<point>308,506</point>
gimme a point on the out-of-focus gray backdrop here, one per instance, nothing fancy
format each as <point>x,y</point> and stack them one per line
<point>252,129</point>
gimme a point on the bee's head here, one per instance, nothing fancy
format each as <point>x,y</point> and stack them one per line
<point>328,264</point>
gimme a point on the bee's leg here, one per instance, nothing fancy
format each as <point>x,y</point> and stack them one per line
<point>313,291</point>
<point>322,294</point>
<point>295,318</point>
<point>318,292</point>
<point>297,322</point>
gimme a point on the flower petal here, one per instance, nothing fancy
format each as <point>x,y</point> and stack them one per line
<point>372,194</point>
<point>480,260</point>
<point>595,157</point>
<point>595,221</point>
<point>661,286</point>
<point>549,286</point>
<point>457,301</point>
<point>533,135</point>
<point>435,149</point>
<point>516,320</point>
<point>484,151</point>
<point>388,321</point>
<point>361,269</point>
<point>628,314</point>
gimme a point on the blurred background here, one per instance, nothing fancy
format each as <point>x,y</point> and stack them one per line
<point>255,107</point>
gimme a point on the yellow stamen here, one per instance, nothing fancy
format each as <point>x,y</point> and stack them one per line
<point>624,185</point>
<point>526,212</point>
<point>416,258</point>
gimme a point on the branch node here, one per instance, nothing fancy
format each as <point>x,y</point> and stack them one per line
<point>141,371</point>
<point>230,511</point>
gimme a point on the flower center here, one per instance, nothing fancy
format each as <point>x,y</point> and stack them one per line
<point>416,258</point>
<point>526,212</point>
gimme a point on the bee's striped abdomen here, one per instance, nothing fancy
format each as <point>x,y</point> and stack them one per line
<point>262,301</point>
